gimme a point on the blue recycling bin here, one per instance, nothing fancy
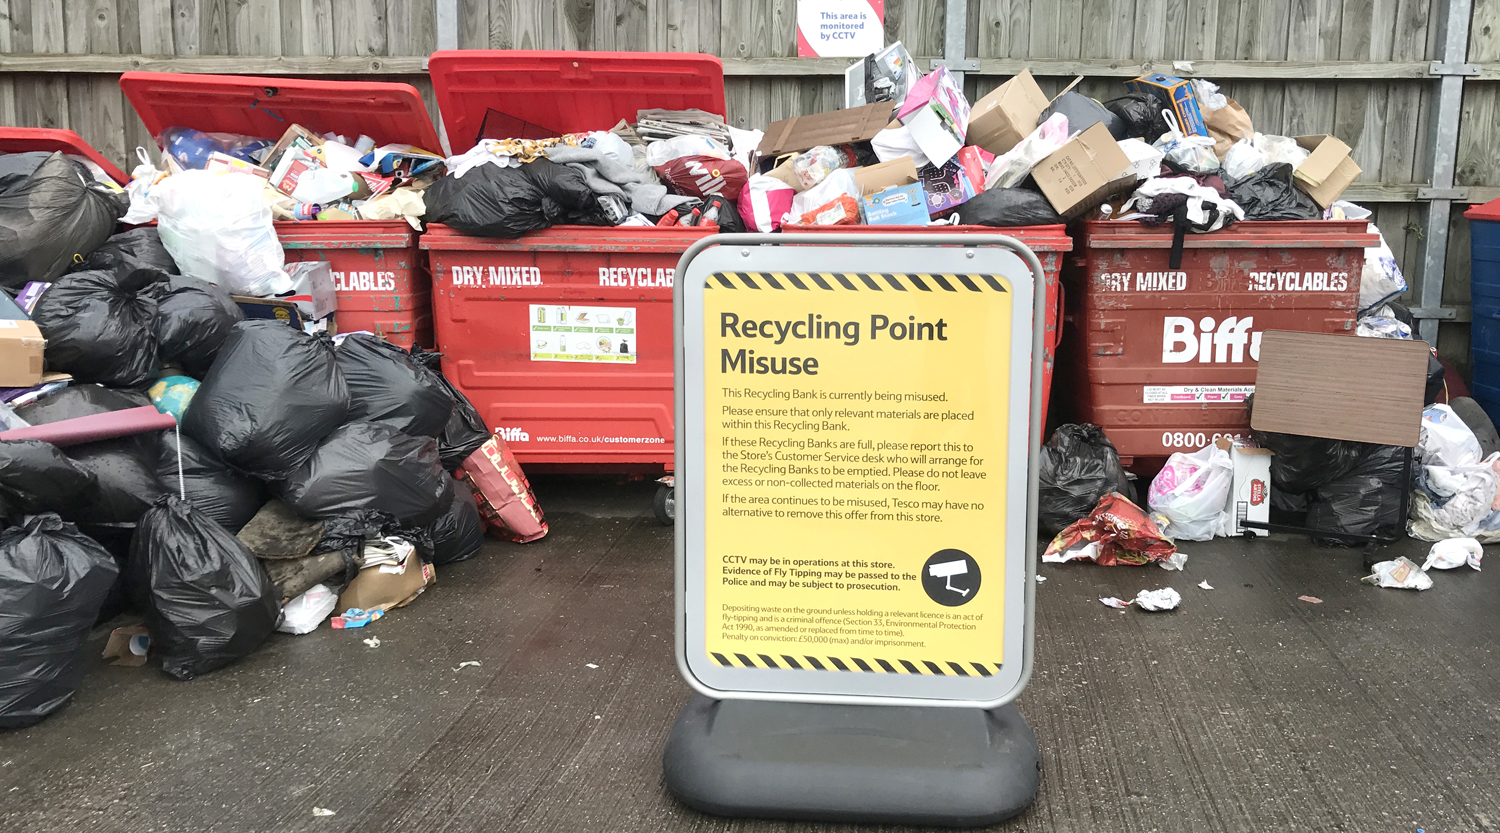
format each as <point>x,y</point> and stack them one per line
<point>1484,282</point>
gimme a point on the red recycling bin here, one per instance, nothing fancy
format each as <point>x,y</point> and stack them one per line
<point>378,270</point>
<point>1161,358</point>
<point>1049,243</point>
<point>563,338</point>
<point>28,139</point>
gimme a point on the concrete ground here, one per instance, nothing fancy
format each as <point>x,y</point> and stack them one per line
<point>1245,710</point>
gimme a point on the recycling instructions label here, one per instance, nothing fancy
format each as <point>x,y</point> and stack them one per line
<point>863,439</point>
<point>562,333</point>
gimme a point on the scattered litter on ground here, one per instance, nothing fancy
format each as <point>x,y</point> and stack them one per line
<point>1040,579</point>
<point>323,811</point>
<point>1111,601</point>
<point>1311,599</point>
<point>1453,553</point>
<point>467,663</point>
<point>1402,574</point>
<point>1164,599</point>
<point>373,642</point>
<point>590,665</point>
<point>1205,585</point>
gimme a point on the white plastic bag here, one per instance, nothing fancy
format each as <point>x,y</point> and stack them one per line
<point>304,613</point>
<point>664,151</point>
<point>1381,279</point>
<point>217,227</point>
<point>1402,574</point>
<point>1446,440</point>
<point>1191,493</point>
<point>1194,154</point>
<point>1280,149</point>
<point>141,190</point>
<point>832,187</point>
<point>1208,95</point>
<point>1242,160</point>
<point>1453,553</point>
<point>1011,167</point>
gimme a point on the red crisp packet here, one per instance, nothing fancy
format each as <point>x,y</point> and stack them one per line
<point>1116,532</point>
<point>506,501</point>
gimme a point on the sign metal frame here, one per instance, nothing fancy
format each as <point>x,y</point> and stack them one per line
<point>997,255</point>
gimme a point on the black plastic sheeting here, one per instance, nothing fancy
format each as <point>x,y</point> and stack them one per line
<point>491,201</point>
<point>53,582</point>
<point>270,398</point>
<point>387,386</point>
<point>51,210</point>
<point>1268,194</point>
<point>459,534</point>
<point>125,468</point>
<point>213,488</point>
<point>100,328</point>
<point>465,431</point>
<point>365,466</point>
<point>208,601</point>
<point>193,319</point>
<point>1079,466</point>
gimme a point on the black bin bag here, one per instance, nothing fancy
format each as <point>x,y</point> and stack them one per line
<point>272,395</point>
<point>465,431</point>
<point>53,581</point>
<point>365,466</point>
<point>1142,115</point>
<point>459,534</point>
<point>213,488</point>
<point>100,328</point>
<point>1009,207</point>
<point>129,252</point>
<point>208,600</point>
<point>1268,194</point>
<point>48,214</point>
<point>387,386</point>
<point>193,319</point>
<point>38,477</point>
<point>1079,465</point>
<point>1364,501</point>
<point>1084,112</point>
<point>125,468</point>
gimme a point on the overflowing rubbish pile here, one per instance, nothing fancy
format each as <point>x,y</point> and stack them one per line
<point>219,475</point>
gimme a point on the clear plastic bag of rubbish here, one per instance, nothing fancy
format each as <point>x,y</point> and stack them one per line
<point>208,600</point>
<point>1243,159</point>
<point>53,582</point>
<point>1193,154</point>
<point>1381,278</point>
<point>1012,167</point>
<point>1191,492</point>
<point>1280,149</point>
<point>814,166</point>
<point>217,226</point>
<point>1446,440</point>
<point>1401,574</point>
<point>306,612</point>
<point>837,184</point>
<point>142,190</point>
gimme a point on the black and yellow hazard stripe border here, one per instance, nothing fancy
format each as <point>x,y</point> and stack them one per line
<point>856,281</point>
<point>873,666</point>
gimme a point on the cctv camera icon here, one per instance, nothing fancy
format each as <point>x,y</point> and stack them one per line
<point>949,569</point>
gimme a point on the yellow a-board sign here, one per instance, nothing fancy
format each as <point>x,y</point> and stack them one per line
<point>853,468</point>
<point>836,488</point>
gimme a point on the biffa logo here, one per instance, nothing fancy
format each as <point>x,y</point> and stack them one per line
<point>513,435</point>
<point>1181,342</point>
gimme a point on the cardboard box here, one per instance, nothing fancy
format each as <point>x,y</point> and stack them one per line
<point>895,173</point>
<point>838,127</point>
<point>295,136</point>
<point>1250,496</point>
<point>21,347</point>
<point>947,187</point>
<point>1083,173</point>
<point>1177,95</point>
<point>898,205</point>
<point>376,588</point>
<point>1328,171</point>
<point>224,162</point>
<point>1007,115</point>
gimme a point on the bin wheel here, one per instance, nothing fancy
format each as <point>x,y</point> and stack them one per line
<point>665,505</point>
<point>1478,421</point>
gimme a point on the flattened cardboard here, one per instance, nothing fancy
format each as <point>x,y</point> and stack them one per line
<point>1341,387</point>
<point>1328,171</point>
<point>21,347</point>
<point>1083,173</point>
<point>875,178</point>
<point>374,589</point>
<point>837,127</point>
<point>1007,115</point>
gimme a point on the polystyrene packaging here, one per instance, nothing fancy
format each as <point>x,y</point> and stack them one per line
<point>217,227</point>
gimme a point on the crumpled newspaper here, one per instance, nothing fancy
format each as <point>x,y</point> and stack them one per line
<point>1403,573</point>
<point>1452,553</point>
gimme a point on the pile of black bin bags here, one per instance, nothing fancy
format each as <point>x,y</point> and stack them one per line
<point>362,436</point>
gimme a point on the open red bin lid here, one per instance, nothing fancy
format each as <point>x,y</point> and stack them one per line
<point>27,139</point>
<point>540,94</point>
<point>1486,211</point>
<point>266,107</point>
